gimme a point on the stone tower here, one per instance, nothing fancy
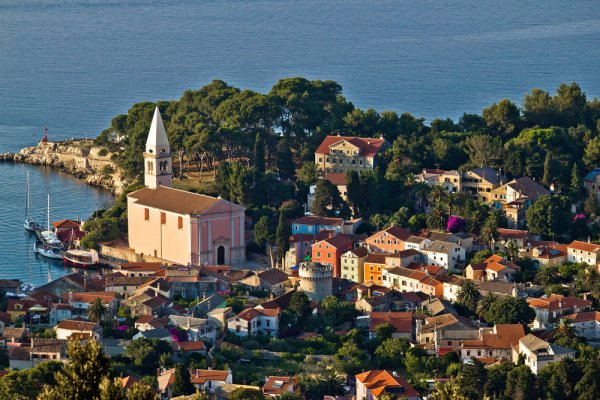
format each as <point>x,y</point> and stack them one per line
<point>316,280</point>
<point>157,157</point>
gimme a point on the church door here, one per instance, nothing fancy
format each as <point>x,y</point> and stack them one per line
<point>221,255</point>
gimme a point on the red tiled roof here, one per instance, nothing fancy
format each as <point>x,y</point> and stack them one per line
<point>275,385</point>
<point>512,233</point>
<point>375,258</point>
<point>339,241</point>
<point>585,316</point>
<point>402,321</point>
<point>200,376</point>
<point>191,346</point>
<point>144,319</point>
<point>66,224</point>
<point>88,297</point>
<point>377,381</point>
<point>506,336</point>
<point>142,266</point>
<point>578,245</point>
<point>557,302</point>
<point>337,178</point>
<point>77,325</point>
<point>368,146</point>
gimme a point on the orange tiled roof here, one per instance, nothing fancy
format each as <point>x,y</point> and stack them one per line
<point>200,376</point>
<point>277,385</point>
<point>402,321</point>
<point>506,336</point>
<point>585,316</point>
<point>77,325</point>
<point>368,146</point>
<point>377,381</point>
<point>557,302</point>
<point>578,245</point>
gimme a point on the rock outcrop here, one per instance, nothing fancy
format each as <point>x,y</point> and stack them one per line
<point>76,157</point>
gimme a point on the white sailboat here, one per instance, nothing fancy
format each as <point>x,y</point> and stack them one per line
<point>49,236</point>
<point>48,252</point>
<point>29,223</point>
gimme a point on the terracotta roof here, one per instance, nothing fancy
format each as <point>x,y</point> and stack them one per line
<point>77,325</point>
<point>478,266</point>
<point>250,313</point>
<point>197,345</point>
<point>368,146</point>
<point>144,319</point>
<point>275,385</point>
<point>273,276</point>
<point>585,316</point>
<point>382,381</point>
<point>45,345</point>
<point>430,281</point>
<point>20,304</point>
<point>578,245</point>
<point>337,178</point>
<point>17,333</point>
<point>418,275</point>
<point>402,321</point>
<point>88,297</point>
<point>512,233</point>
<point>142,266</point>
<point>375,258</point>
<point>67,224</point>
<point>200,376</point>
<point>177,201</point>
<point>505,337</point>
<point>339,241</point>
<point>156,302</point>
<point>557,302</point>
<point>44,297</point>
<point>434,270</point>
<point>315,220</point>
<point>123,280</point>
<point>62,306</point>
<point>360,251</point>
<point>128,381</point>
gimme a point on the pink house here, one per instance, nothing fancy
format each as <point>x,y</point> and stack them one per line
<point>179,226</point>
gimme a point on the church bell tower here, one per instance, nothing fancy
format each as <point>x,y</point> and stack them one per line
<point>157,157</point>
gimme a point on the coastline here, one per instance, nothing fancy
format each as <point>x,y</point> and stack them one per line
<point>77,157</point>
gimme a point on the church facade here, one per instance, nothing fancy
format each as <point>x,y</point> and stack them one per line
<point>178,226</point>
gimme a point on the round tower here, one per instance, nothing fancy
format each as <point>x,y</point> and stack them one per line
<point>316,280</point>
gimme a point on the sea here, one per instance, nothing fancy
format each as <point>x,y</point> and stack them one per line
<point>72,65</point>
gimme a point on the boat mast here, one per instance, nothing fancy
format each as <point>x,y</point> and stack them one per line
<point>27,199</point>
<point>48,214</point>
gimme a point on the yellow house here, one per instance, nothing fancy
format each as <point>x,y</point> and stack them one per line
<point>340,154</point>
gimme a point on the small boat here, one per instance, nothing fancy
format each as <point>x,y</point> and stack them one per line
<point>81,258</point>
<point>29,224</point>
<point>48,252</point>
<point>50,238</point>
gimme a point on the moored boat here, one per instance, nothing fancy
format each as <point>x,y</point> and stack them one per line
<point>29,224</point>
<point>81,258</point>
<point>48,252</point>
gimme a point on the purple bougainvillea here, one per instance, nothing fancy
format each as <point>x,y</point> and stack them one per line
<point>580,217</point>
<point>455,224</point>
<point>178,334</point>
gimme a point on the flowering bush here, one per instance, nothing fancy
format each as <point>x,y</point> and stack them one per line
<point>455,224</point>
<point>580,217</point>
<point>178,334</point>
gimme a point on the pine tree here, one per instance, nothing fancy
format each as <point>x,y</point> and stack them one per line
<point>282,237</point>
<point>575,183</point>
<point>547,178</point>
<point>81,377</point>
<point>259,155</point>
<point>472,379</point>
<point>353,190</point>
<point>284,159</point>
<point>182,384</point>
<point>328,201</point>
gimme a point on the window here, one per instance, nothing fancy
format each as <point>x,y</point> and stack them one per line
<point>146,214</point>
<point>163,218</point>
<point>179,222</point>
<point>268,323</point>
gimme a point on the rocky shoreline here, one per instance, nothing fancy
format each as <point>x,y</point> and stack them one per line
<point>77,157</point>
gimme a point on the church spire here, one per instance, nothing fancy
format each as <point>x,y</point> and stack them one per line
<point>157,157</point>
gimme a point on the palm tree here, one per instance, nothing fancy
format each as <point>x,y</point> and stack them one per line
<point>436,218</point>
<point>98,311</point>
<point>546,275</point>
<point>467,295</point>
<point>484,303</point>
<point>489,232</point>
<point>438,195</point>
<point>564,329</point>
<point>512,250</point>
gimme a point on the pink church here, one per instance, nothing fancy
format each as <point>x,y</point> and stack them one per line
<point>178,226</point>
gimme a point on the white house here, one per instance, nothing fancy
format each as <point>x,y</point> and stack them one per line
<point>450,256</point>
<point>538,353</point>
<point>253,321</point>
<point>209,380</point>
<point>196,328</point>
<point>77,329</point>
<point>582,252</point>
<point>586,324</point>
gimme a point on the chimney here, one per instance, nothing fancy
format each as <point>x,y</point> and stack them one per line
<point>70,297</point>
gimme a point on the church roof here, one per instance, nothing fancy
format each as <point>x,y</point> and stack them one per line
<point>157,135</point>
<point>177,201</point>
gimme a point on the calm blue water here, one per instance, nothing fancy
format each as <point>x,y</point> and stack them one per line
<point>74,64</point>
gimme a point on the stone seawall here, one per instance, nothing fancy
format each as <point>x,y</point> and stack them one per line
<point>76,157</point>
